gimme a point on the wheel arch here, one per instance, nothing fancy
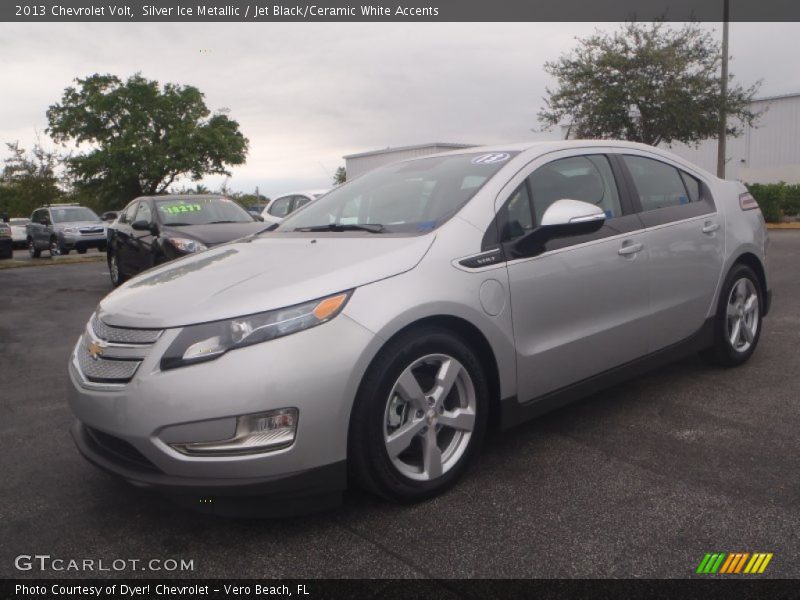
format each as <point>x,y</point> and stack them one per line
<point>751,260</point>
<point>474,338</point>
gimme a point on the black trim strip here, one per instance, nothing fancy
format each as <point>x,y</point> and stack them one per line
<point>513,412</point>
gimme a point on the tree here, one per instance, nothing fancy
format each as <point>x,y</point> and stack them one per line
<point>340,176</point>
<point>28,179</point>
<point>647,83</point>
<point>137,137</point>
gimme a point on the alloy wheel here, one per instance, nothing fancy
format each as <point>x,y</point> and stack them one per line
<point>742,315</point>
<point>429,417</point>
<point>55,249</point>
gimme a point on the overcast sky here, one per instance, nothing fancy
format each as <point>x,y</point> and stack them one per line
<point>307,93</point>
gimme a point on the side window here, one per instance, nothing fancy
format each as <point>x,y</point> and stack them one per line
<point>38,216</point>
<point>587,178</point>
<point>659,185</point>
<point>130,211</point>
<point>299,202</point>
<point>693,187</point>
<point>517,218</point>
<point>144,213</point>
<point>280,208</point>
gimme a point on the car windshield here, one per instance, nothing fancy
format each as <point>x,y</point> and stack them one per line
<point>413,196</point>
<point>71,214</point>
<point>200,211</point>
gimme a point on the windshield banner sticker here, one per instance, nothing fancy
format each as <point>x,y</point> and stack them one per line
<point>491,159</point>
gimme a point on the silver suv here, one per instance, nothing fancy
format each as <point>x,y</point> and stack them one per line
<point>376,331</point>
<point>59,228</point>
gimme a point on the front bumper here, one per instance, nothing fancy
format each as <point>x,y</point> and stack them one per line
<point>81,242</point>
<point>283,495</point>
<point>127,430</point>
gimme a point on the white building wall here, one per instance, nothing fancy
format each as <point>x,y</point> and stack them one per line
<point>767,153</point>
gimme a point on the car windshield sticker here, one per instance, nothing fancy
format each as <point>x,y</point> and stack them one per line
<point>491,159</point>
<point>174,209</point>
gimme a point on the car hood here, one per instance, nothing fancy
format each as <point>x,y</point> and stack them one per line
<point>214,233</point>
<point>257,274</point>
<point>79,224</point>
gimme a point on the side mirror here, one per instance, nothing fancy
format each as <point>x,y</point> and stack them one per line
<point>563,218</point>
<point>44,222</point>
<point>258,218</point>
<point>141,225</point>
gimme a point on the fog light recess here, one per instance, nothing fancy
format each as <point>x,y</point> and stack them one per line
<point>255,434</point>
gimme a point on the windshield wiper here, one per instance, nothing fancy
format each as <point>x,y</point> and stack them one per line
<point>177,224</point>
<point>370,227</point>
<point>215,222</point>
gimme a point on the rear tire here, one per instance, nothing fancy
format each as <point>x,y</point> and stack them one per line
<point>419,417</point>
<point>57,249</point>
<point>737,325</point>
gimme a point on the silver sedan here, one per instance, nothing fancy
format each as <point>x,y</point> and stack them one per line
<point>374,335</point>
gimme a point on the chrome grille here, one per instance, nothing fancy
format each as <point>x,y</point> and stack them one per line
<point>104,370</point>
<point>91,230</point>
<point>119,335</point>
<point>111,355</point>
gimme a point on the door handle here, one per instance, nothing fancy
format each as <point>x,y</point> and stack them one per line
<point>710,227</point>
<point>628,249</point>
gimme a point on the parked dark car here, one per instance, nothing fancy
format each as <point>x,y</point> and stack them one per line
<point>6,244</point>
<point>155,229</point>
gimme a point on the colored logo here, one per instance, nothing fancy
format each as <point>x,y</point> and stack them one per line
<point>734,563</point>
<point>96,350</point>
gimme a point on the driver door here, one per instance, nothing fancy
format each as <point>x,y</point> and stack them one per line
<point>580,307</point>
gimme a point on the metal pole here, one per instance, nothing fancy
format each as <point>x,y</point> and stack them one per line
<point>723,121</point>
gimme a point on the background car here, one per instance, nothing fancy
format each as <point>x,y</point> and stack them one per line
<point>59,228</point>
<point>19,232</point>
<point>6,243</point>
<point>284,205</point>
<point>155,229</point>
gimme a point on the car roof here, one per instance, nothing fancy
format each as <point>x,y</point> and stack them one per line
<point>180,197</point>
<point>547,146</point>
<point>309,193</point>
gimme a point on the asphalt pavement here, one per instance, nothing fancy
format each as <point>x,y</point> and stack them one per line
<point>637,481</point>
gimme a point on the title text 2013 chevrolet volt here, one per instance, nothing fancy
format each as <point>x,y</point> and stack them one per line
<point>373,334</point>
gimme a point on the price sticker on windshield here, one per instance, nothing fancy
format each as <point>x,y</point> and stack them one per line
<point>174,209</point>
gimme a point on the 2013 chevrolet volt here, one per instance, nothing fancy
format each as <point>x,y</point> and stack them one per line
<point>373,335</point>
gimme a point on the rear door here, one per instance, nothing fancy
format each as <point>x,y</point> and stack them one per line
<point>685,240</point>
<point>580,307</point>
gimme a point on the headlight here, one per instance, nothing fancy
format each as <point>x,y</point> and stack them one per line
<point>70,230</point>
<point>198,343</point>
<point>186,245</point>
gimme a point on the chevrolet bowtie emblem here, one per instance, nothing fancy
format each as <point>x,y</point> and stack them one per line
<point>96,350</point>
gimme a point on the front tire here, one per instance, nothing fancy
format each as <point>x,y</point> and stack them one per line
<point>117,278</point>
<point>419,417</point>
<point>33,250</point>
<point>737,326</point>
